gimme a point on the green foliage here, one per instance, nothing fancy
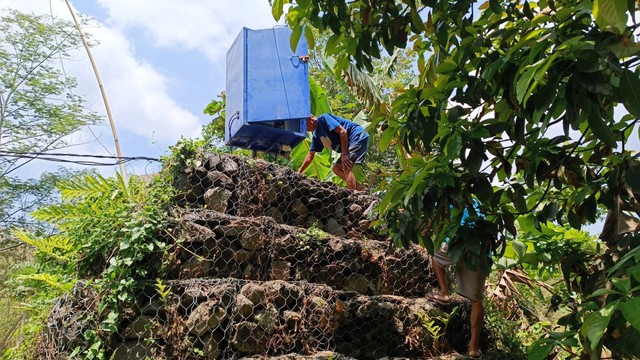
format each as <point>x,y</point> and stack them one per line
<point>313,237</point>
<point>507,334</point>
<point>512,106</point>
<point>108,232</point>
<point>213,133</point>
<point>436,325</point>
<point>37,106</point>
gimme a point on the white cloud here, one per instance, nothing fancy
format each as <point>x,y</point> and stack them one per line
<point>139,94</point>
<point>207,26</point>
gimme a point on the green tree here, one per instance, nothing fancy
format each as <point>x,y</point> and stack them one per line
<point>38,108</point>
<point>38,111</point>
<point>545,91</point>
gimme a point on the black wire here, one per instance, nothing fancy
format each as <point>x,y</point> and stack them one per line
<point>55,158</point>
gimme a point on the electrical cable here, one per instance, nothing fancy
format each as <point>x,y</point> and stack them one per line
<point>59,157</point>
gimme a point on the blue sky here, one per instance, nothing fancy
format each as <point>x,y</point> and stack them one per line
<point>160,61</point>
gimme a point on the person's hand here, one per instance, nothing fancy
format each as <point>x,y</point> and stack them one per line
<point>347,164</point>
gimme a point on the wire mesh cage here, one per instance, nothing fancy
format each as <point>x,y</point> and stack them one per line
<point>266,263</point>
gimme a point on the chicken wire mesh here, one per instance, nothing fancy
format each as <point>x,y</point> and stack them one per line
<point>265,263</point>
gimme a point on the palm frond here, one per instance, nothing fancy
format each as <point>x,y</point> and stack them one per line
<point>363,86</point>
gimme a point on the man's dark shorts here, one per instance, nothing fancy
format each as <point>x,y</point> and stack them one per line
<point>357,151</point>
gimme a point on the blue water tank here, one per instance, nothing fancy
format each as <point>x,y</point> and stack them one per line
<point>267,91</point>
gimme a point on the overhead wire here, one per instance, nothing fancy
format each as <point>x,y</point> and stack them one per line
<point>61,157</point>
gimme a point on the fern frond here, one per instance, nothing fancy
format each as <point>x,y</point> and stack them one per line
<point>84,186</point>
<point>57,246</point>
<point>60,213</point>
<point>51,280</point>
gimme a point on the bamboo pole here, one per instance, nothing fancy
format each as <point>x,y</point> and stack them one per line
<point>123,171</point>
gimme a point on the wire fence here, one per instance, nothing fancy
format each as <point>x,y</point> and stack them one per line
<point>267,263</point>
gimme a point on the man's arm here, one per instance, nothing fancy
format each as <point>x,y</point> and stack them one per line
<point>307,160</point>
<point>347,164</point>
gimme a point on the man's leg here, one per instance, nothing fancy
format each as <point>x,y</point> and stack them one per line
<point>477,316</point>
<point>347,176</point>
<point>470,284</point>
<point>441,276</point>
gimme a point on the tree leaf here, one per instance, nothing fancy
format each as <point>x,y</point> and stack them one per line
<point>596,324</point>
<point>541,349</point>
<point>550,210</point>
<point>453,147</point>
<point>311,41</point>
<point>386,138</point>
<point>519,248</point>
<point>630,311</point>
<point>448,66</point>
<point>623,285</point>
<point>332,43</point>
<point>600,129</point>
<point>295,38</point>
<point>474,160</point>
<point>319,101</point>
<point>611,15</point>
<point>417,20</point>
<point>277,9</point>
<point>630,92</point>
<point>522,86</point>
<point>495,6</point>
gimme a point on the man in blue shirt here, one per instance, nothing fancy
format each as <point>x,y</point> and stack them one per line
<point>469,282</point>
<point>340,135</point>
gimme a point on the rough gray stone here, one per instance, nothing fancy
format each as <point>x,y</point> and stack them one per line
<point>211,345</point>
<point>280,270</point>
<point>355,211</point>
<point>217,199</point>
<point>292,319</point>
<point>333,227</point>
<point>230,231</point>
<point>143,327</point>
<point>275,214</point>
<point>219,179</point>
<point>357,283</point>
<point>312,221</point>
<point>270,195</point>
<point>254,292</point>
<point>267,318</point>
<point>194,268</point>
<point>206,318</point>
<point>227,165</point>
<point>338,209</point>
<point>252,239</point>
<point>298,208</point>
<point>243,307</point>
<point>249,338</point>
<point>134,350</point>
<point>245,256</point>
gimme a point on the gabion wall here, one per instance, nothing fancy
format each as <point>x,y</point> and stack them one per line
<point>267,263</point>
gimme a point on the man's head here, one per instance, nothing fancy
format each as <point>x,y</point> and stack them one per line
<point>311,122</point>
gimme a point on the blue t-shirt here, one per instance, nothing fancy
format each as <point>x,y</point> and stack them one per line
<point>465,215</point>
<point>325,136</point>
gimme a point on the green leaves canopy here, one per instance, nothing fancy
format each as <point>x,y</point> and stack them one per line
<point>516,104</point>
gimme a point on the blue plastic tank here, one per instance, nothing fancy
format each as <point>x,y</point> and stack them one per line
<point>267,91</point>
